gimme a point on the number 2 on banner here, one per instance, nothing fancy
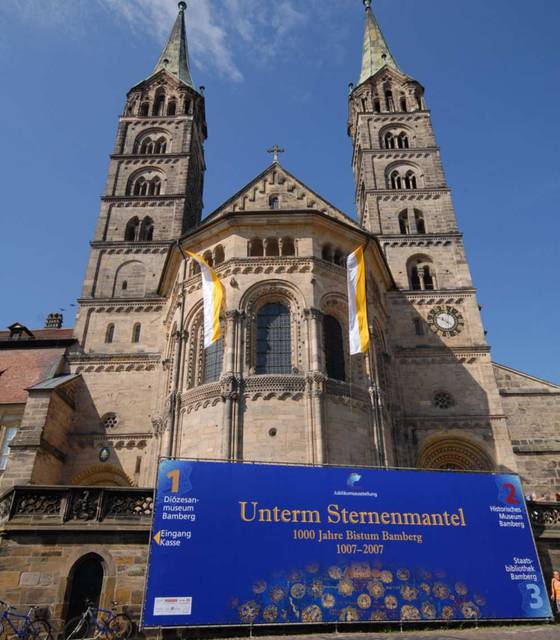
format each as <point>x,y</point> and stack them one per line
<point>536,601</point>
<point>511,497</point>
<point>174,476</point>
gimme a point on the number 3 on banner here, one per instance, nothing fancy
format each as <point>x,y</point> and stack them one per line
<point>174,477</point>
<point>536,601</point>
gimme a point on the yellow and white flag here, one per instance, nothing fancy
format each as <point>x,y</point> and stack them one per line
<point>357,304</point>
<point>212,295</point>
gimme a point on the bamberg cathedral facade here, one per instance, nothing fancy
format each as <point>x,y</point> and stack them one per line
<point>85,413</point>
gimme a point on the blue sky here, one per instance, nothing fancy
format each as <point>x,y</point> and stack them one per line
<point>278,72</point>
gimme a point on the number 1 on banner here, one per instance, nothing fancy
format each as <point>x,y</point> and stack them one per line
<point>174,476</point>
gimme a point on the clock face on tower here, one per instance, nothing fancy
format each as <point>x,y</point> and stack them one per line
<point>446,321</point>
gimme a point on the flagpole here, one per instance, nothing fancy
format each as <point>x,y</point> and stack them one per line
<point>374,390</point>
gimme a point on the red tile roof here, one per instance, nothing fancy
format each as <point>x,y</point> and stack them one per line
<point>22,368</point>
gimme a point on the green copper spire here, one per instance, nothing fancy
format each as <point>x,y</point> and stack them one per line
<point>375,54</point>
<point>175,56</point>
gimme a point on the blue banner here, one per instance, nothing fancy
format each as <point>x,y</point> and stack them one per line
<point>269,544</point>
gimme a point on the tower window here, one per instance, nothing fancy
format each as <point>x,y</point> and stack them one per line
<point>389,140</point>
<point>422,275</point>
<point>273,339</point>
<point>171,108</point>
<point>403,104</point>
<point>136,332</point>
<point>333,339</point>
<point>403,222</point>
<point>396,182</point>
<point>376,105</point>
<point>109,333</point>
<point>420,223</point>
<point>144,109</point>
<point>131,230</point>
<point>159,103</point>
<point>402,140</point>
<point>389,101</point>
<point>124,285</point>
<point>274,202</point>
<point>410,180</point>
<point>146,230</point>
<point>208,258</point>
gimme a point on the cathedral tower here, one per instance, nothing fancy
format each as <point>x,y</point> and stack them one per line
<point>153,195</point>
<point>448,395</point>
<point>154,186</point>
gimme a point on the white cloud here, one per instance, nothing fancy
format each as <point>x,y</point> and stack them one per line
<point>220,34</point>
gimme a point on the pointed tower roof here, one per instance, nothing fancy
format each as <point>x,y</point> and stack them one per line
<point>376,53</point>
<point>175,56</point>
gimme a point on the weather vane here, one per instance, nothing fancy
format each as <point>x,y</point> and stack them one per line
<point>276,150</point>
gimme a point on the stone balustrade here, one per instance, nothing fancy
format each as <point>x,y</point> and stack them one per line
<point>70,506</point>
<point>41,507</point>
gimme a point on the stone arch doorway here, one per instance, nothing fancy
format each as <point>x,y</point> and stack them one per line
<point>102,475</point>
<point>85,582</point>
<point>455,454</point>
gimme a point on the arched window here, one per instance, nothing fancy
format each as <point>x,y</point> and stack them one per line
<point>376,105</point>
<point>403,103</point>
<point>271,247</point>
<point>208,258</point>
<point>136,329</point>
<point>402,140</point>
<point>131,231</point>
<point>124,285</point>
<point>415,278</point>
<point>195,267</point>
<point>403,222</point>
<point>171,108</point>
<point>147,146</point>
<point>420,222</point>
<point>159,102</point>
<point>274,345</point>
<point>147,230</point>
<point>140,187</point>
<point>256,247</point>
<point>160,145</point>
<point>213,359</point>
<point>421,273</point>
<point>396,182</point>
<point>389,101</point>
<point>410,180</point>
<point>144,109</point>
<point>274,202</point>
<point>155,187</point>
<point>288,248</point>
<point>333,339</point>
<point>389,140</point>
<point>187,106</point>
<point>219,255</point>
<point>327,253</point>
<point>109,333</point>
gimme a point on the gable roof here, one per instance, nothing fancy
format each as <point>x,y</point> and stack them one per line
<point>292,194</point>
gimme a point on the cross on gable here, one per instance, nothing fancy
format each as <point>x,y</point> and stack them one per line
<point>276,150</point>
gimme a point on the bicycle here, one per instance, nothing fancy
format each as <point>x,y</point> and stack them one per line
<point>25,627</point>
<point>98,623</point>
